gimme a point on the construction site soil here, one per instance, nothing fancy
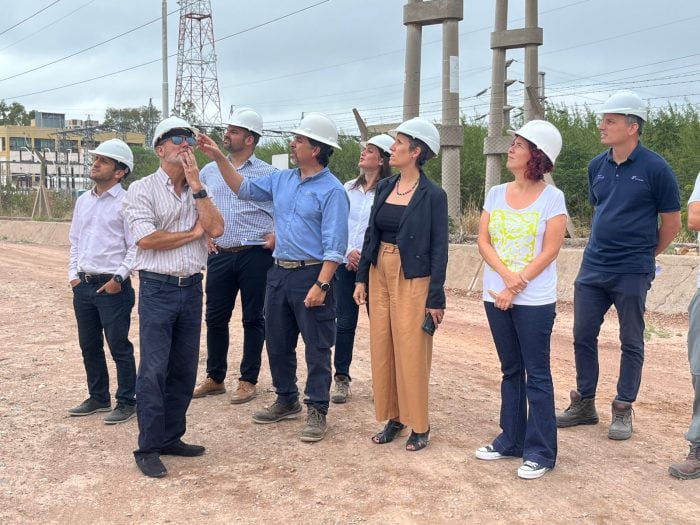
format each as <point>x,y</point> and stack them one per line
<point>58,469</point>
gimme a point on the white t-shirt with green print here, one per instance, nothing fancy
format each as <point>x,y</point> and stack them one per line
<point>516,235</point>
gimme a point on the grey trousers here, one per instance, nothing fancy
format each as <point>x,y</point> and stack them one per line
<point>693,434</point>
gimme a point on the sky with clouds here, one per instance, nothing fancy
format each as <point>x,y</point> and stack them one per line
<point>285,57</point>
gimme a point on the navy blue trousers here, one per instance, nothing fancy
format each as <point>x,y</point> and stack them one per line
<point>286,318</point>
<point>227,273</point>
<point>594,293</point>
<point>108,314</point>
<point>348,313</point>
<point>170,325</point>
<point>528,422</point>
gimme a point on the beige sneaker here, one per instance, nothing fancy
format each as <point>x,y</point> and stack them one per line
<point>245,392</point>
<point>209,387</point>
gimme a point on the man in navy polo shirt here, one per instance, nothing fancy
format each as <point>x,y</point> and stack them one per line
<point>636,216</point>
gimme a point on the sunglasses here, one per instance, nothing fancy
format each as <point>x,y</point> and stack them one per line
<point>178,139</point>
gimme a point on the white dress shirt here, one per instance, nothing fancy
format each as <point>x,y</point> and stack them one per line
<point>360,208</point>
<point>100,240</point>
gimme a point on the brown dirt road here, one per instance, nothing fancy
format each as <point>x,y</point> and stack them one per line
<point>56,469</point>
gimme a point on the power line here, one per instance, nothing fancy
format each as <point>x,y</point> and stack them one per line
<point>47,26</point>
<point>29,17</point>
<point>84,81</point>
<point>84,50</point>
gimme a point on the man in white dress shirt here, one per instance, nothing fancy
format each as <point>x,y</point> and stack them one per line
<point>101,257</point>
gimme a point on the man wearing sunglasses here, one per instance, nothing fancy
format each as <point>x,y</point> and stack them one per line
<point>170,217</point>
<point>238,261</point>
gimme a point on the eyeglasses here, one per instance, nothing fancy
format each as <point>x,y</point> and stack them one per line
<point>177,140</point>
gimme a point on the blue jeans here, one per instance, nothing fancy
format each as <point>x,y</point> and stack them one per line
<point>170,319</point>
<point>693,434</point>
<point>287,317</point>
<point>594,293</point>
<point>522,338</point>
<point>109,314</point>
<point>227,273</point>
<point>348,312</point>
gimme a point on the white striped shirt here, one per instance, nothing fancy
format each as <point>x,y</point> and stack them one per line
<point>100,240</point>
<point>151,204</point>
<point>242,219</point>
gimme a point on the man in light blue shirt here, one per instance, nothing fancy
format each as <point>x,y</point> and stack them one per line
<point>311,227</point>
<point>238,261</point>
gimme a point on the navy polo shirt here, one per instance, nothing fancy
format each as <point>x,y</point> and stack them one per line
<point>627,199</point>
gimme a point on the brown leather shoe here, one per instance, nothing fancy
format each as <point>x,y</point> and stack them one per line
<point>209,387</point>
<point>245,392</point>
<point>690,468</point>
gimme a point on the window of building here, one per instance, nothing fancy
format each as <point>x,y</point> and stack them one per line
<point>17,143</point>
<point>45,144</point>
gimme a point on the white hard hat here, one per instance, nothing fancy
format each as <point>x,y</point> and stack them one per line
<point>542,134</point>
<point>625,103</point>
<point>247,118</point>
<point>318,126</point>
<point>419,128</point>
<point>383,142</point>
<point>117,150</point>
<point>169,124</point>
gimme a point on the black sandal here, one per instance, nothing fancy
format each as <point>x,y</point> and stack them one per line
<point>390,431</point>
<point>418,441</point>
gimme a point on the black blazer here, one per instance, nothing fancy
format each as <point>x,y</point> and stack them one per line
<point>422,237</point>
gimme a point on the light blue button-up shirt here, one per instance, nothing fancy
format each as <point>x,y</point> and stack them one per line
<point>311,216</point>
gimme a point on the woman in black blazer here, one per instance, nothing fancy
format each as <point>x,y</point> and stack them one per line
<point>404,260</point>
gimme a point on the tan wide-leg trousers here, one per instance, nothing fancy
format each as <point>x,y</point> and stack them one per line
<point>401,351</point>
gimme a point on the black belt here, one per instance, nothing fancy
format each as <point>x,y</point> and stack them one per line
<point>171,279</point>
<point>94,278</point>
<point>296,264</point>
<point>234,249</point>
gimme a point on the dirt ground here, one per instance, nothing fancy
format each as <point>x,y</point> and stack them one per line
<point>57,469</point>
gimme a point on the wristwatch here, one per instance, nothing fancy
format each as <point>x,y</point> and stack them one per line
<point>118,278</point>
<point>200,194</point>
<point>323,286</point>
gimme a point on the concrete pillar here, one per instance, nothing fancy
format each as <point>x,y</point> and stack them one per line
<point>451,128</point>
<point>498,77</point>
<point>411,87</point>
<point>532,106</point>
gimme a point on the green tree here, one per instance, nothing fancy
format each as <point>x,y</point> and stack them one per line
<point>14,114</point>
<point>138,120</point>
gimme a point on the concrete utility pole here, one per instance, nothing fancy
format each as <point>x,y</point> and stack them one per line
<point>164,18</point>
<point>502,39</point>
<point>416,14</point>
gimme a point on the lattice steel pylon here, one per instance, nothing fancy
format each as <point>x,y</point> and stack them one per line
<point>197,86</point>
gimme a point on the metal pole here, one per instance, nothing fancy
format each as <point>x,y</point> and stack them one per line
<point>498,74</point>
<point>531,107</point>
<point>164,17</point>
<point>411,87</point>
<point>451,163</point>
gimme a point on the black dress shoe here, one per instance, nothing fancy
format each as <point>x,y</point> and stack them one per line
<point>180,448</point>
<point>151,465</point>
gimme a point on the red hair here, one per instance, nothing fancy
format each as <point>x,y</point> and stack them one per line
<point>539,163</point>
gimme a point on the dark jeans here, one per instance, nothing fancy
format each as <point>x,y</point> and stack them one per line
<point>347,320</point>
<point>594,293</point>
<point>286,317</point>
<point>522,337</point>
<point>109,314</point>
<point>227,273</point>
<point>170,325</point>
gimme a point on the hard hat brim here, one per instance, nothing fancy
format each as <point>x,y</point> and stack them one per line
<point>315,137</point>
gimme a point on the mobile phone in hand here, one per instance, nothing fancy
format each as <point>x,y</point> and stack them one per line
<point>428,325</point>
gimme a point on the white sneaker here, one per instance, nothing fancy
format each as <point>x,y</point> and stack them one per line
<point>531,470</point>
<point>488,453</point>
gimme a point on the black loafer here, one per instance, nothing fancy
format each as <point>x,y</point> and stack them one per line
<point>151,465</point>
<point>180,448</point>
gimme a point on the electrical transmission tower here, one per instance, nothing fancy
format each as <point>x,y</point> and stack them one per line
<point>197,85</point>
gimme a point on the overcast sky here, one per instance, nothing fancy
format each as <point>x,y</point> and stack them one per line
<point>340,54</point>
